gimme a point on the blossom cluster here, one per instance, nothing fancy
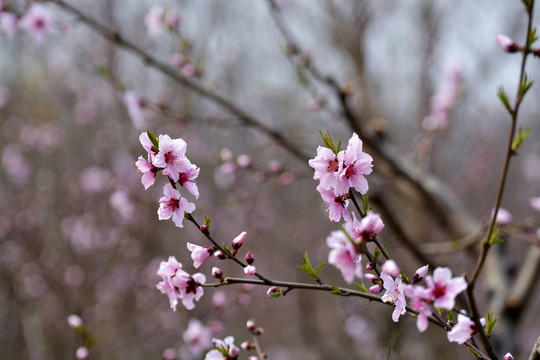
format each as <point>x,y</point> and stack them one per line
<point>169,155</point>
<point>37,22</point>
<point>338,171</point>
<point>179,285</point>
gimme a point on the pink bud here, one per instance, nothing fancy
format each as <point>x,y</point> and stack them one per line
<point>371,277</point>
<point>220,255</point>
<point>238,241</point>
<point>243,160</point>
<point>508,45</point>
<point>219,300</point>
<point>82,353</point>
<point>508,356</point>
<point>202,227</point>
<point>169,354</point>
<point>217,273</point>
<point>250,270</point>
<point>74,321</point>
<point>420,274</point>
<point>259,331</point>
<point>273,290</point>
<point>250,325</point>
<point>375,289</point>
<point>249,258</point>
<point>390,267</point>
<point>234,351</point>
<point>246,345</point>
<point>370,266</point>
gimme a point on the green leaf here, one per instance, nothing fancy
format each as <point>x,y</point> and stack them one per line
<point>338,149</point>
<point>494,234</point>
<point>475,354</point>
<point>490,323</point>
<point>276,294</point>
<point>404,277</point>
<point>376,255</point>
<point>532,38</point>
<point>504,99</point>
<point>308,268</point>
<point>525,85</point>
<point>329,142</point>
<point>226,248</point>
<point>366,206</point>
<point>154,140</point>
<point>319,268</point>
<point>361,287</point>
<point>528,5</point>
<point>207,222</point>
<point>450,315</point>
<point>520,138</point>
<point>336,291</point>
<point>90,342</point>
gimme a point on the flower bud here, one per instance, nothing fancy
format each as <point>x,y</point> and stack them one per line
<point>508,45</point>
<point>249,258</point>
<point>420,274</point>
<point>273,290</point>
<point>371,277</point>
<point>250,325</point>
<point>259,331</point>
<point>217,273</point>
<point>234,351</point>
<point>370,266</point>
<point>74,321</point>
<point>375,289</point>
<point>250,270</point>
<point>220,255</point>
<point>246,345</point>
<point>390,267</point>
<point>508,356</point>
<point>82,353</point>
<point>238,241</point>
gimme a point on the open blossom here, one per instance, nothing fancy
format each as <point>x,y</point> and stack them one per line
<point>148,170</point>
<point>199,254</point>
<point>462,331</point>
<point>443,289</point>
<point>197,337</point>
<point>179,285</point>
<point>356,164</point>
<point>394,294</point>
<point>38,22</point>
<point>344,256</point>
<point>171,157</point>
<point>326,165</point>
<point>419,303</point>
<point>187,180</point>
<point>172,204</point>
<point>228,349</point>
<point>362,230</point>
<point>336,205</point>
<point>135,105</point>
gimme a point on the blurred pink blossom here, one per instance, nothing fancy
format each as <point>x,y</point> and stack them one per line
<point>535,203</point>
<point>504,217</point>
<point>344,256</point>
<point>37,22</point>
<point>9,23</point>
<point>508,45</point>
<point>135,105</point>
<point>154,20</point>
<point>198,337</point>
<point>462,331</point>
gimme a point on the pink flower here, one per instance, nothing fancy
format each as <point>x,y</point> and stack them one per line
<point>344,256</point>
<point>154,21</point>
<point>419,297</point>
<point>172,204</point>
<point>443,289</point>
<point>336,205</point>
<point>82,353</point>
<point>74,321</point>
<point>38,23</point>
<point>535,203</point>
<point>198,337</point>
<point>394,294</point>
<point>148,170</point>
<point>171,157</point>
<point>362,230</point>
<point>227,349</point>
<point>356,164</point>
<point>8,23</point>
<point>135,105</point>
<point>273,292</point>
<point>326,165</point>
<point>199,254</point>
<point>462,331</point>
<point>508,356</point>
<point>172,19</point>
<point>508,45</point>
<point>390,267</point>
<point>179,285</point>
<point>186,179</point>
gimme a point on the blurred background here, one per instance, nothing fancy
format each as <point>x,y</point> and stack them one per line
<point>80,235</point>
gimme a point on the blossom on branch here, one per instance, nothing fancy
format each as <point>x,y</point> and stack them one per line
<point>344,255</point>
<point>171,157</point>
<point>443,289</point>
<point>38,23</point>
<point>336,205</point>
<point>172,204</point>
<point>394,294</point>
<point>148,170</point>
<point>199,254</point>
<point>462,331</point>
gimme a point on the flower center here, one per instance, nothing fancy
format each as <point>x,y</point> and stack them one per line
<point>439,290</point>
<point>333,165</point>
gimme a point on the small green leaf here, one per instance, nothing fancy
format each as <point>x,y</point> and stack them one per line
<point>475,354</point>
<point>520,138</point>
<point>504,99</point>
<point>319,268</point>
<point>494,234</point>
<point>366,206</point>
<point>90,342</point>
<point>404,277</point>
<point>532,38</point>
<point>207,222</point>
<point>528,5</point>
<point>308,268</point>
<point>490,323</point>
<point>525,85</point>
<point>226,248</point>
<point>335,290</point>
<point>361,287</point>
<point>450,315</point>
<point>338,149</point>
<point>276,294</point>
<point>154,140</point>
<point>376,255</point>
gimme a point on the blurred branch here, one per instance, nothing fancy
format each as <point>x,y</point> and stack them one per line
<point>172,73</point>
